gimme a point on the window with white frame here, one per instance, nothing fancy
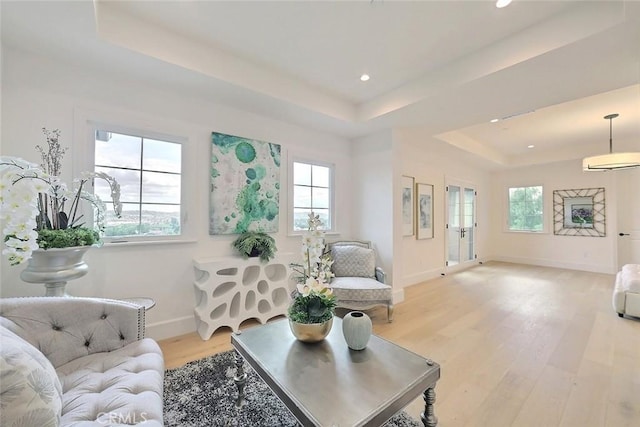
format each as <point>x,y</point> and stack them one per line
<point>312,192</point>
<point>149,171</point>
<point>526,209</point>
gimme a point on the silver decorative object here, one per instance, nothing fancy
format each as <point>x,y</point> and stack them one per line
<point>55,267</point>
<point>311,332</point>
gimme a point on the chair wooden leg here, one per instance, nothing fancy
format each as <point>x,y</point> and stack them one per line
<point>390,313</point>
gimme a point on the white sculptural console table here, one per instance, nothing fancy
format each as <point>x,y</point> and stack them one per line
<point>231,290</point>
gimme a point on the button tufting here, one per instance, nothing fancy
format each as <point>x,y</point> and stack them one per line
<point>104,316</point>
<point>121,336</point>
<point>56,328</point>
<point>86,343</point>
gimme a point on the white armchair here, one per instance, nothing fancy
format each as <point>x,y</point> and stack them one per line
<point>358,283</point>
<point>626,293</point>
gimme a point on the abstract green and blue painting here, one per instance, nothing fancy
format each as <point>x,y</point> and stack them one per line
<point>245,185</point>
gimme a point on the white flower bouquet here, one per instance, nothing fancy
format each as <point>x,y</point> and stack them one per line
<point>313,301</point>
<point>38,210</point>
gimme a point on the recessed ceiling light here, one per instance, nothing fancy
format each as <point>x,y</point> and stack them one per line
<point>364,77</point>
<point>530,146</point>
<point>494,120</point>
<point>502,3</point>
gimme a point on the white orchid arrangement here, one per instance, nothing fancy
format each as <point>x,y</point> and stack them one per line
<point>316,263</point>
<point>33,201</point>
<point>314,301</point>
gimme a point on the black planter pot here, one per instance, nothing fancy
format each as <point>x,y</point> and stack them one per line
<point>255,253</point>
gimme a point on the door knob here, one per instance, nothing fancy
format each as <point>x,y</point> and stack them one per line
<point>624,234</point>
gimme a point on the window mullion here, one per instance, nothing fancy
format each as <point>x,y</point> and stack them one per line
<point>140,189</point>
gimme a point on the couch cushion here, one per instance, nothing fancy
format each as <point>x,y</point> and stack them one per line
<point>353,261</point>
<point>30,392</point>
<point>360,289</point>
<point>123,386</point>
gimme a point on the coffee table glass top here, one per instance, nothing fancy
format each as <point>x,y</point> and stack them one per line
<point>327,384</point>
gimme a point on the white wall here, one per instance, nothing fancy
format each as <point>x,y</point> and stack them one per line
<point>595,254</point>
<point>431,161</point>
<point>37,93</point>
<point>372,207</point>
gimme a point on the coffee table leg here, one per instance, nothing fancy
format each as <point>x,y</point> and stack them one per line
<point>428,417</point>
<point>240,379</point>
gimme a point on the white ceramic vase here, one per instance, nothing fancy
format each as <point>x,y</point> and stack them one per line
<point>356,328</point>
<point>54,267</point>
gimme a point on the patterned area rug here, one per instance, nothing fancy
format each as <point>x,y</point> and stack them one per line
<point>202,393</point>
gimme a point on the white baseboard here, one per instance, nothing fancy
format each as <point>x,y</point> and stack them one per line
<point>398,296</point>
<point>592,268</point>
<point>421,277</point>
<point>171,328</point>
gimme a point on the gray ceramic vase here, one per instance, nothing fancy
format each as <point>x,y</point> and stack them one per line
<point>356,328</point>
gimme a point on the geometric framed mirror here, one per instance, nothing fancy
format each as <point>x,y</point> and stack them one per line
<point>579,212</point>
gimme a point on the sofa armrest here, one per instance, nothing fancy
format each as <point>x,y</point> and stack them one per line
<point>381,276</point>
<point>64,329</point>
<point>619,295</point>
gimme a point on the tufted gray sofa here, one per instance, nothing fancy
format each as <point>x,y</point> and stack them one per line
<point>107,372</point>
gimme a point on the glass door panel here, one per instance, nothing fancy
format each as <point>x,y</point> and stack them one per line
<point>461,210</point>
<point>453,232</point>
<point>467,243</point>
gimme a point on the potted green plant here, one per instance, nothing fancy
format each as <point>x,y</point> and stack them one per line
<point>313,303</point>
<point>255,244</point>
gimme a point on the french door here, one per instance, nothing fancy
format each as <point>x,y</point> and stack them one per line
<point>628,218</point>
<point>461,225</point>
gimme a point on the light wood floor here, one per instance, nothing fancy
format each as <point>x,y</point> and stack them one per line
<point>517,345</point>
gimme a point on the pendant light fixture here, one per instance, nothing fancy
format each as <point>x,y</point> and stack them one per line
<point>611,161</point>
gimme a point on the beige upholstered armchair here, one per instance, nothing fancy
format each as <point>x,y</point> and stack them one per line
<point>358,284</point>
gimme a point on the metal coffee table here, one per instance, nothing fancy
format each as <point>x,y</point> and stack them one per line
<point>327,384</point>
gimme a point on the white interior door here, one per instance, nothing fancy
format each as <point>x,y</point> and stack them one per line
<point>628,220</point>
<point>461,225</point>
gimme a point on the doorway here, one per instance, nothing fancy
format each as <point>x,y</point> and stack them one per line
<point>461,225</point>
<point>628,219</point>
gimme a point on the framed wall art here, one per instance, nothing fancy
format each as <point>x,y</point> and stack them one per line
<point>424,211</point>
<point>408,220</point>
<point>579,212</point>
<point>245,185</point>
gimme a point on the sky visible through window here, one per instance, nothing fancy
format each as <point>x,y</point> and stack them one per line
<point>311,192</point>
<point>149,174</point>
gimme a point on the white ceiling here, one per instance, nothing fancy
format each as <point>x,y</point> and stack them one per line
<point>440,68</point>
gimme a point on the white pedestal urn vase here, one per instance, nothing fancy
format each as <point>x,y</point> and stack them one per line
<point>55,267</point>
<point>356,328</point>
